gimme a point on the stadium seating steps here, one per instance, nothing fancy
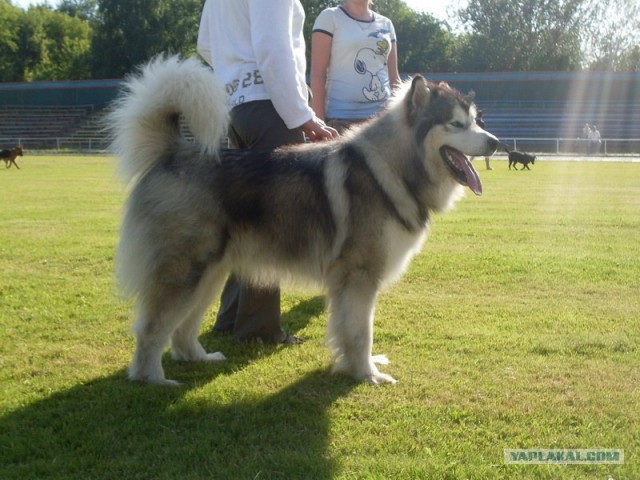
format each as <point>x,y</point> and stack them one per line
<point>41,121</point>
<point>82,127</point>
<point>560,120</point>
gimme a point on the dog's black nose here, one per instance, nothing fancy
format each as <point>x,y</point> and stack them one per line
<point>493,143</point>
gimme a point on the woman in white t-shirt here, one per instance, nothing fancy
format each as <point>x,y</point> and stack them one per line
<point>354,63</point>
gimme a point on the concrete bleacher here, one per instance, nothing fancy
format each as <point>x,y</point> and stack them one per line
<point>82,127</point>
<point>557,127</point>
<point>59,128</point>
<point>91,134</point>
<point>560,120</point>
<point>37,125</point>
<point>517,106</point>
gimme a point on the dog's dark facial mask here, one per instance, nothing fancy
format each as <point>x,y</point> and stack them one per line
<point>457,162</point>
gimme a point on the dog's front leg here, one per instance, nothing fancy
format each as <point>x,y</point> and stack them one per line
<point>350,336</point>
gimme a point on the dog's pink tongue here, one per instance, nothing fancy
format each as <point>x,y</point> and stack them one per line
<point>471,176</point>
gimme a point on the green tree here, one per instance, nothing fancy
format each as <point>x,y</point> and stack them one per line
<point>502,35</point>
<point>424,43</point>
<point>611,37</point>
<point>130,32</point>
<point>630,60</point>
<point>84,9</point>
<point>53,46</point>
<point>10,21</point>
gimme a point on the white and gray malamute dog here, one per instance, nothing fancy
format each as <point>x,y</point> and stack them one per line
<point>347,215</point>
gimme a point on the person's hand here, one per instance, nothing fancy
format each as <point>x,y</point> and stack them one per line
<point>317,130</point>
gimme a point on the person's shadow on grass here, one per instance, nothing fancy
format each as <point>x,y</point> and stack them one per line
<point>112,428</point>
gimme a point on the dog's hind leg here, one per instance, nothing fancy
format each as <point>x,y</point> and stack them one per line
<point>350,335</point>
<point>185,345</point>
<point>153,330</point>
<point>163,309</point>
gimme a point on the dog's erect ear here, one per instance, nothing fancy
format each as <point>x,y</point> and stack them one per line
<point>419,95</point>
<point>470,97</point>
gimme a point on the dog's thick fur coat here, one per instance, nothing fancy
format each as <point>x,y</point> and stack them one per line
<point>347,215</point>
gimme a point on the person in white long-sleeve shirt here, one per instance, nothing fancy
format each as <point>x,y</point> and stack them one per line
<point>594,140</point>
<point>257,49</point>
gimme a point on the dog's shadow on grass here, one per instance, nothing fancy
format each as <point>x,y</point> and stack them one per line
<point>111,428</point>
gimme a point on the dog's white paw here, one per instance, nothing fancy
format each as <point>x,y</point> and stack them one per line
<point>376,377</point>
<point>154,380</point>
<point>380,360</point>
<point>168,383</point>
<point>195,354</point>
<point>379,379</point>
<point>366,372</point>
<point>215,357</point>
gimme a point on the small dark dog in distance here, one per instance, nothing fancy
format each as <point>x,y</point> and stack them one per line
<point>9,156</point>
<point>516,157</point>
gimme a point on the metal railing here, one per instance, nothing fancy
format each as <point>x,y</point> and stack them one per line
<point>549,146</point>
<point>59,144</point>
<point>576,146</point>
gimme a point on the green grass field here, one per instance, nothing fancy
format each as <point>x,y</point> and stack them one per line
<point>517,327</point>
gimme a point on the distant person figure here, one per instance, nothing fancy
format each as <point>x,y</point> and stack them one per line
<point>594,140</point>
<point>480,123</point>
<point>586,131</point>
<point>354,63</point>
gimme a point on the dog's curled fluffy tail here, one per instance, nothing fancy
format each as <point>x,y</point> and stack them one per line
<point>144,123</point>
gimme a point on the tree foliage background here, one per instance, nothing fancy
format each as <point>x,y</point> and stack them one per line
<point>83,39</point>
<point>521,36</point>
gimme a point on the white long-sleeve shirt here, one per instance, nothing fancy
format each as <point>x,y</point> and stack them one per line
<point>257,49</point>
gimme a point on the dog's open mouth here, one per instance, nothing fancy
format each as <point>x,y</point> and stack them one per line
<point>461,168</point>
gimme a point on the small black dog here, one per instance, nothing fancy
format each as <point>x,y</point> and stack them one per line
<point>519,157</point>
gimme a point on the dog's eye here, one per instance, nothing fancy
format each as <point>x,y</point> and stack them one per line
<point>457,124</point>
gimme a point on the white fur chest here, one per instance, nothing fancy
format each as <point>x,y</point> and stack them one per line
<point>402,246</point>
